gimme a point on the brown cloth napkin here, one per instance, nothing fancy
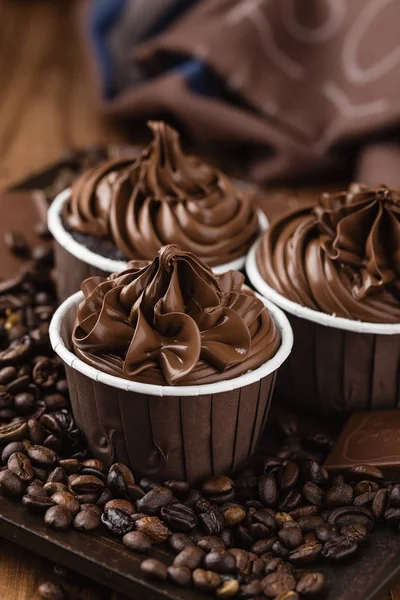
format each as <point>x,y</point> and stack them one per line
<point>313,82</point>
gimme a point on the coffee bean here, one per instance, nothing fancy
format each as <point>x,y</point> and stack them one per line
<point>119,479</point>
<point>146,483</point>
<point>206,581</point>
<point>364,486</point>
<point>220,561</point>
<point>281,518</point>
<point>70,465</point>
<point>117,521</point>
<point>252,589</point>
<point>10,484</point>
<point>305,554</point>
<point>13,432</point>
<point>42,456</point>
<point>154,569</point>
<point>258,531</point>
<point>290,500</point>
<point>137,541</point>
<point>58,475</point>
<point>50,591</point>
<point>308,510</point>
<point>58,517</point>
<point>153,528</point>
<point>394,495</point>
<point>36,432</point>
<point>222,498</point>
<point>55,401</point>
<point>87,520</point>
<point>67,500</point>
<point>310,584</point>
<point>20,464</point>
<point>24,402</point>
<point>288,475</point>
<point>291,536</point>
<point>310,523</point>
<point>10,449</point>
<point>93,507</point>
<point>243,537</point>
<point>209,542</point>
<point>233,515</point>
<point>339,495</point>
<point>105,497</point>
<point>392,515</point>
<point>178,517</point>
<point>190,557</point>
<point>178,488</point>
<point>212,521</point>
<point>262,546</point>
<point>124,505</point>
<point>229,589</point>
<point>267,518</point>
<point>279,549</point>
<point>364,499</point>
<point>218,484</point>
<point>312,471</point>
<point>276,584</point>
<point>179,541</point>
<point>268,490</point>
<point>368,472</point>
<point>83,484</point>
<point>7,374</point>
<point>37,503</point>
<point>181,576</point>
<point>339,548</point>
<point>325,532</point>
<point>350,515</point>
<point>54,486</point>
<point>44,373</point>
<point>291,595</point>
<point>356,533</point>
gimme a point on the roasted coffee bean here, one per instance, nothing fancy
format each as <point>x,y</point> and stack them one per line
<point>243,537</point>
<point>13,432</point>
<point>206,581</point>
<point>340,548</point>
<point>67,500</point>
<point>262,546</point>
<point>20,464</point>
<point>209,542</point>
<point>105,497</point>
<point>54,486</point>
<point>51,591</point>
<point>44,457</point>
<point>339,495</point>
<point>220,561</point>
<point>154,569</point>
<point>58,517</point>
<point>24,402</point>
<point>124,505</point>
<point>291,536</point>
<point>350,515</point>
<point>178,516</point>
<point>308,510</point>
<point>135,492</point>
<point>364,499</point>
<point>53,442</point>
<point>71,465</point>
<point>16,351</point>
<point>309,523</point>
<point>11,449</point>
<point>146,483</point>
<point>288,475</point>
<point>325,532</point>
<point>222,498</point>
<point>252,589</point>
<point>87,520</point>
<point>364,486</point>
<point>45,373</point>
<point>258,531</point>
<point>279,549</point>
<point>55,401</point>
<point>266,517</point>
<point>119,479</point>
<point>392,515</point>
<point>312,471</point>
<point>276,584</point>
<point>137,541</point>
<point>155,500</point>
<point>6,400</point>
<point>179,541</point>
<point>305,554</point>
<point>212,521</point>
<point>36,487</point>
<point>40,473</point>
<point>356,533</point>
<point>268,490</point>
<point>310,537</point>
<point>7,374</point>
<point>290,500</point>
<point>117,521</point>
<point>228,589</point>
<point>37,503</point>
<point>181,576</point>
<point>21,384</point>
<point>93,507</point>
<point>362,472</point>
<point>233,515</point>
<point>218,484</point>
<point>153,528</point>
<point>190,557</point>
<point>394,495</point>
<point>193,497</point>
<point>310,584</point>
<point>272,564</point>
<point>58,475</point>
<point>36,432</point>
<point>380,502</point>
<point>178,488</point>
<point>11,484</point>
<point>291,595</point>
<point>281,518</point>
<point>227,537</point>
<point>83,484</point>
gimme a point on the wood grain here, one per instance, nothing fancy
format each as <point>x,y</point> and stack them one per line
<point>48,103</point>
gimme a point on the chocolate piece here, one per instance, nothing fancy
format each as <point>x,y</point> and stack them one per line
<point>369,438</point>
<point>165,196</point>
<point>173,321</point>
<point>21,212</point>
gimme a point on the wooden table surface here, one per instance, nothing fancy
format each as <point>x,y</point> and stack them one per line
<point>48,103</point>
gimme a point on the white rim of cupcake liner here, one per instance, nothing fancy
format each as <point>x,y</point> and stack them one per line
<point>108,265</point>
<point>60,347</point>
<point>309,314</point>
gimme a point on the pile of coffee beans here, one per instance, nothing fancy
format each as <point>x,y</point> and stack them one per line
<point>250,537</point>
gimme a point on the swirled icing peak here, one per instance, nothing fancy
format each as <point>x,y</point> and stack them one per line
<point>164,196</point>
<point>173,321</point>
<point>341,256</point>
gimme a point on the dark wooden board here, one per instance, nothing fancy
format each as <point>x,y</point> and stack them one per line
<point>105,560</point>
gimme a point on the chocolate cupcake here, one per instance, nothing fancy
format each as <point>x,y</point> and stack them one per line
<point>171,367</point>
<point>335,269</point>
<point>128,208</point>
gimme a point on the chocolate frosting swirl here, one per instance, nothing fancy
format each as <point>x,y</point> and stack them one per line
<point>173,321</point>
<point>163,197</point>
<point>341,257</point>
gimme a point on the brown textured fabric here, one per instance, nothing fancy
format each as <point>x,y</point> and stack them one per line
<point>310,75</point>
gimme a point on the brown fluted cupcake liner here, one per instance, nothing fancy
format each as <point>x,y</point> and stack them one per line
<point>169,432</point>
<point>75,263</point>
<point>337,365</point>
